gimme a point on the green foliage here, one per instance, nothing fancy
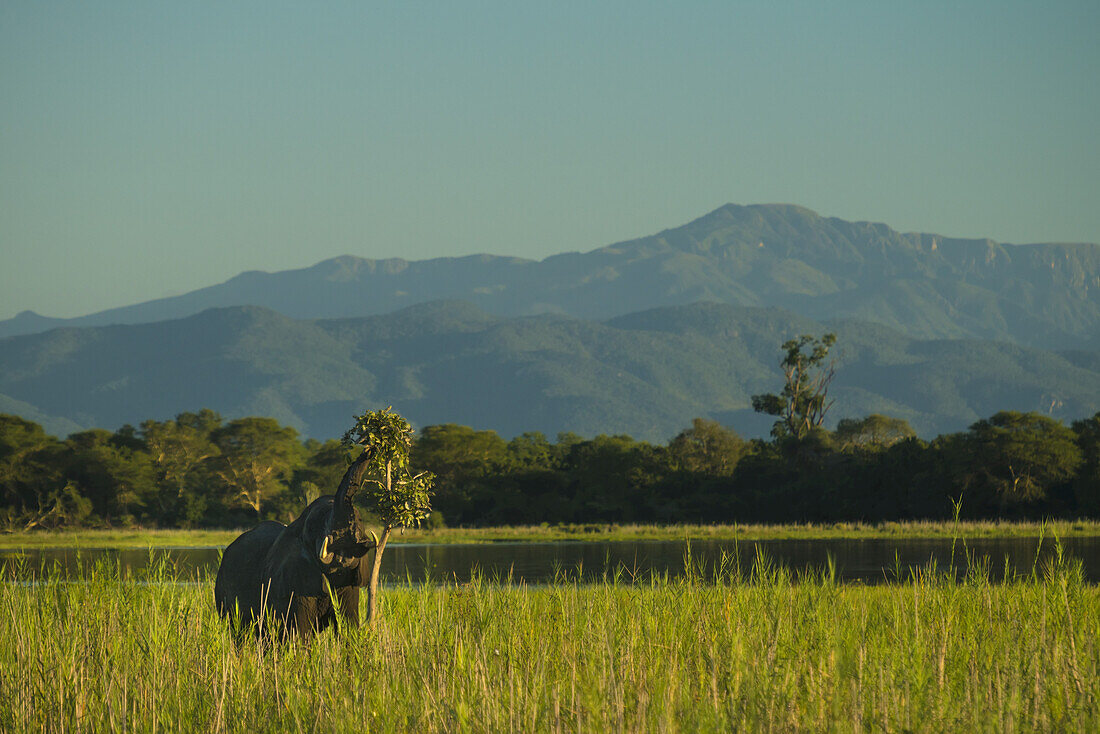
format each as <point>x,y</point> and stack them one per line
<point>531,451</point>
<point>62,508</point>
<point>1086,486</point>
<point>28,468</point>
<point>176,474</point>
<point>451,450</point>
<point>1022,455</point>
<point>117,477</point>
<point>18,437</point>
<point>397,496</point>
<point>803,402</point>
<point>322,469</point>
<point>256,458</point>
<point>614,478</point>
<point>463,461</point>
<point>181,452</point>
<point>875,430</point>
<point>66,508</point>
<point>707,448</point>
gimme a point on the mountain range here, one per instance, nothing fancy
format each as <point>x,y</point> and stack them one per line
<point>647,373</point>
<point>925,286</point>
<point>637,337</point>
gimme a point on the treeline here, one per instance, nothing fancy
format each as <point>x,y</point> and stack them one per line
<point>202,471</point>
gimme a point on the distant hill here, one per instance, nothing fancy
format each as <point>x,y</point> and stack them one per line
<point>645,373</point>
<point>922,285</point>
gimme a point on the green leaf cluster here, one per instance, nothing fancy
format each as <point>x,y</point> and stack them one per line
<point>1020,455</point>
<point>391,491</point>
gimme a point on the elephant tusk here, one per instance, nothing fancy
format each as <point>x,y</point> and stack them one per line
<point>374,538</point>
<point>324,555</point>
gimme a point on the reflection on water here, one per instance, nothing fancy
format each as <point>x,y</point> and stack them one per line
<point>870,561</point>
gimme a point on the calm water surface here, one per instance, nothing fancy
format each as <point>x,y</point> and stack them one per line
<point>869,561</point>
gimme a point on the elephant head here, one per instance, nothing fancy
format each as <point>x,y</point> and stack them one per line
<point>290,570</point>
<point>332,529</point>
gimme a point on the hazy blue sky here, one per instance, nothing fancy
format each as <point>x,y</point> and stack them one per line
<point>151,148</point>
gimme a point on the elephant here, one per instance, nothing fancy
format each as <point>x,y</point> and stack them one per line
<point>285,573</point>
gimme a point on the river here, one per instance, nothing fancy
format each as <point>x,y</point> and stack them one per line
<point>868,561</point>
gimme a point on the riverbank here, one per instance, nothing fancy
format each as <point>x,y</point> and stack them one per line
<point>141,538</point>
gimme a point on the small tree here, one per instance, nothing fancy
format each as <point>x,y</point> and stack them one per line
<point>707,448</point>
<point>398,497</point>
<point>803,403</point>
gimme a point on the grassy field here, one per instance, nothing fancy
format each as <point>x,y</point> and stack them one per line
<point>762,652</point>
<point>593,532</point>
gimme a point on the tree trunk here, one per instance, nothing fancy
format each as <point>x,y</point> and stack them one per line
<point>372,589</point>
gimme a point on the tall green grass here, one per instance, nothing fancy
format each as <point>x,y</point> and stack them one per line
<point>755,650</point>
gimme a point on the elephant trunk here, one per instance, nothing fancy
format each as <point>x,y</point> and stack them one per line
<point>343,514</point>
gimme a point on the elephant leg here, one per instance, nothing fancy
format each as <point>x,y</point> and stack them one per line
<point>304,617</point>
<point>348,599</point>
<point>344,615</point>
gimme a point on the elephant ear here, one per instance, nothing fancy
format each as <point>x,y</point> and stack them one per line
<point>292,569</point>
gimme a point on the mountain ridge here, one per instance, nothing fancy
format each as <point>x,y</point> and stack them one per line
<point>645,373</point>
<point>925,285</point>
